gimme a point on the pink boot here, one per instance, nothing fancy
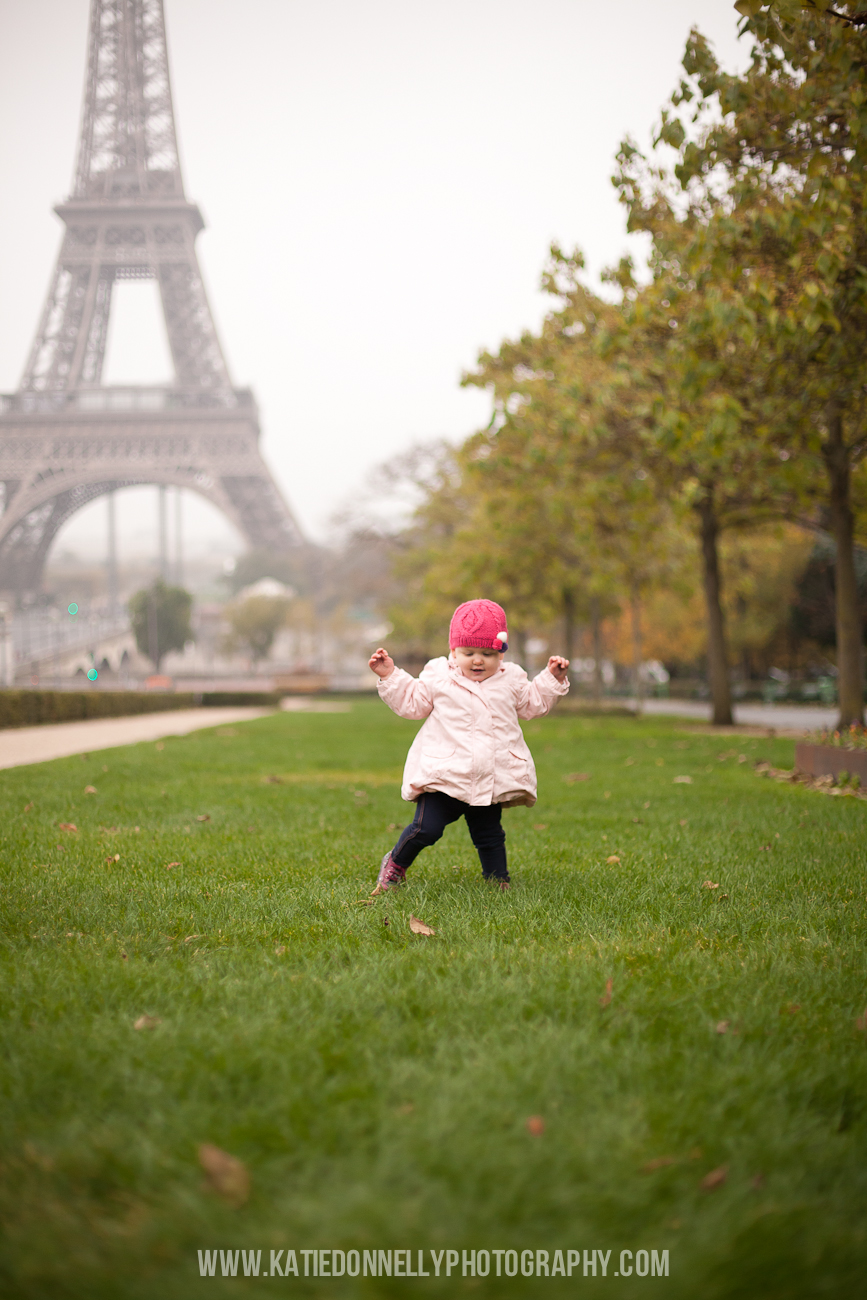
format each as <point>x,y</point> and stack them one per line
<point>390,873</point>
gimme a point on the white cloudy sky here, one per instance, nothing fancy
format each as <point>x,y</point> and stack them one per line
<point>381,182</point>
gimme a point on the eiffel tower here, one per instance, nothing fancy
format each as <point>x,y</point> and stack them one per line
<point>64,438</point>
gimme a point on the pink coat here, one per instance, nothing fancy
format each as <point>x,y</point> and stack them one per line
<point>471,746</point>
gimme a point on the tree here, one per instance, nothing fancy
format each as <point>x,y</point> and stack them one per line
<point>254,623</point>
<point>160,617</point>
<point>786,145</point>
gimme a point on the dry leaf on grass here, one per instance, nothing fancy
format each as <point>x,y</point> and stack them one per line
<point>406,1109</point>
<point>682,780</point>
<point>273,780</point>
<point>90,789</point>
<point>227,1176</point>
<point>723,1026</point>
<point>714,1179</point>
<point>658,1162</point>
<point>683,821</point>
<point>147,1022</point>
<point>540,826</point>
<point>612,858</point>
<point>280,950</point>
<point>766,848</point>
<point>169,865</point>
<point>606,996</point>
<point>792,1008</point>
<point>205,817</point>
<point>419,927</point>
<point>535,1126</point>
<point>861,1021</point>
<point>115,857</point>
<point>28,807</point>
<point>708,884</point>
<point>124,957</point>
<point>191,937</point>
<point>68,826</point>
<point>577,776</point>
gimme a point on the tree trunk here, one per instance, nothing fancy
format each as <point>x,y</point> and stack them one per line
<point>568,623</point>
<point>597,649</point>
<point>638,685</point>
<point>153,634</point>
<point>850,649</point>
<point>717,658</point>
<point>520,638</point>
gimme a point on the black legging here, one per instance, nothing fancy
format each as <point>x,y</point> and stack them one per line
<point>434,811</point>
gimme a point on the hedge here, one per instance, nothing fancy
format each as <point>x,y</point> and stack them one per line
<point>31,708</point>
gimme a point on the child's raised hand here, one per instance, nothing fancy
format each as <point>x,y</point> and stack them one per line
<point>381,663</point>
<point>557,666</point>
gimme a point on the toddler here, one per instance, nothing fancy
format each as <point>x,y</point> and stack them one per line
<point>470,758</point>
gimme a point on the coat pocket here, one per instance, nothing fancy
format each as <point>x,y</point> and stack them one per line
<point>439,751</point>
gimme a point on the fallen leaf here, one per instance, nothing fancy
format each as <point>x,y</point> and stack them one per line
<point>280,950</point>
<point>172,864</point>
<point>68,826</point>
<point>645,806</point>
<point>723,1026</point>
<point>577,776</point>
<point>28,807</point>
<point>392,826</point>
<point>540,826</point>
<point>535,1126</point>
<point>406,1109</point>
<point>793,1008</point>
<point>191,937</point>
<point>90,789</point>
<point>720,897</point>
<point>226,1175</point>
<point>114,858</point>
<point>205,817</point>
<point>658,1162</point>
<point>273,780</point>
<point>147,1022</point>
<point>765,848</point>
<point>606,794</point>
<point>612,858</point>
<point>682,780</point>
<point>124,957</point>
<point>606,996</point>
<point>638,821</point>
<point>683,821</point>
<point>861,1021</point>
<point>708,884</point>
<point>419,927</point>
<point>714,1179</point>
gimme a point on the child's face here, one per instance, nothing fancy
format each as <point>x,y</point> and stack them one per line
<point>476,663</point>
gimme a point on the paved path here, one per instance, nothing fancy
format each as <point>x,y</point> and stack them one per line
<point>22,745</point>
<point>786,717</point>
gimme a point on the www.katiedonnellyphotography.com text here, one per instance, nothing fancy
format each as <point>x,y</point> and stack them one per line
<point>434,1263</point>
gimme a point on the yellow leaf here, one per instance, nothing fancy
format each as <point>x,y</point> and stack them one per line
<point>205,817</point>
<point>613,858</point>
<point>714,1179</point>
<point>723,1026</point>
<point>147,1022</point>
<point>419,927</point>
<point>68,826</point>
<point>226,1175</point>
<point>90,789</point>
<point>682,780</point>
<point>606,996</point>
<point>708,884</point>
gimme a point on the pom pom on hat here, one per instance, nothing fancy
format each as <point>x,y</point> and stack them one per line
<point>479,623</point>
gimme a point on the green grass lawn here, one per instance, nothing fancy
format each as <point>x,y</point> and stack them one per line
<point>377,1084</point>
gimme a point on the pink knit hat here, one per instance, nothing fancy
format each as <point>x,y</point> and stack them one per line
<point>479,623</point>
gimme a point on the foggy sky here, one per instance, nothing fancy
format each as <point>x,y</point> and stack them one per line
<point>380,182</point>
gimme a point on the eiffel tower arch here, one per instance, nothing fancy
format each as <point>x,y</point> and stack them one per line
<point>66,439</point>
